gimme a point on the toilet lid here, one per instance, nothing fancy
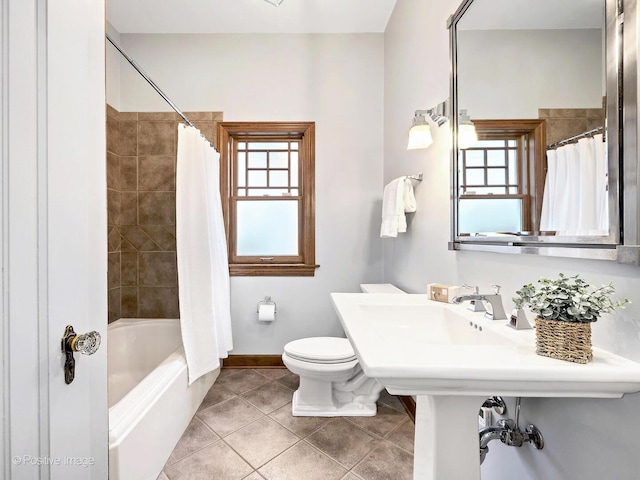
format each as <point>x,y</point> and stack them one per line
<point>321,350</point>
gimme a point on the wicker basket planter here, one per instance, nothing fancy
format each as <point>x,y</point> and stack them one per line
<point>570,341</point>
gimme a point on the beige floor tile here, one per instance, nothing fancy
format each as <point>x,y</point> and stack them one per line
<point>254,476</point>
<point>385,420</point>
<point>216,394</point>
<point>386,462</point>
<point>240,380</point>
<point>196,436</point>
<point>350,476</point>
<point>269,397</point>
<point>343,442</point>
<point>301,426</point>
<point>217,461</point>
<point>261,441</point>
<point>390,401</point>
<point>302,462</point>
<point>230,415</point>
<point>290,380</point>
<point>162,476</point>
<point>272,373</point>
<point>403,435</point>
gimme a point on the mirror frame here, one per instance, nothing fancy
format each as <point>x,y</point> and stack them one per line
<point>623,242</point>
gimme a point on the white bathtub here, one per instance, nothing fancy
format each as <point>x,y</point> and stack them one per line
<point>150,402</point>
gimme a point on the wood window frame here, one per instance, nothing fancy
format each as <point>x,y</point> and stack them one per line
<point>228,134</point>
<point>534,162</point>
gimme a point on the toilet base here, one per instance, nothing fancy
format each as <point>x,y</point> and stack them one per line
<point>298,409</point>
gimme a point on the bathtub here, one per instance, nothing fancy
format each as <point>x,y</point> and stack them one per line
<point>150,402</point>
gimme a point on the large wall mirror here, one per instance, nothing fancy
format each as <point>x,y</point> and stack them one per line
<point>541,80</point>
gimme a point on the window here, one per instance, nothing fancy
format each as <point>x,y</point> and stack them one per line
<point>267,188</point>
<point>497,189</point>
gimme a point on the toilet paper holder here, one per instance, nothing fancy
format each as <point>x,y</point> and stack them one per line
<point>267,301</point>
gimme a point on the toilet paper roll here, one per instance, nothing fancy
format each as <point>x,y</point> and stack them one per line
<point>266,313</point>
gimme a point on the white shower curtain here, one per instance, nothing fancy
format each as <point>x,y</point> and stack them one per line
<point>203,269</point>
<point>575,200</point>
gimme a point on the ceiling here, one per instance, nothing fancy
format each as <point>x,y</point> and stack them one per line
<point>249,16</point>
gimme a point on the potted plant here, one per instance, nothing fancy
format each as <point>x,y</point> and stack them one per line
<point>565,308</point>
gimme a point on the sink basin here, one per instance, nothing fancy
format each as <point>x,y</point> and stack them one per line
<point>414,345</point>
<point>451,360</point>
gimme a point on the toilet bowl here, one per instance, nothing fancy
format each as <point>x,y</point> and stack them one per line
<point>332,383</point>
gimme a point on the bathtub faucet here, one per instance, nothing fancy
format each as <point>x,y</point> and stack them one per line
<point>494,299</point>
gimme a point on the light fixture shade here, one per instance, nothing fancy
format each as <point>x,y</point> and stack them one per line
<point>419,133</point>
<point>419,137</point>
<point>467,135</point>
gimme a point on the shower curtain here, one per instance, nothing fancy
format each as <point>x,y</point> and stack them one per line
<point>575,200</point>
<point>203,269</point>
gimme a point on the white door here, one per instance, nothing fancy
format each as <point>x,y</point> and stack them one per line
<point>54,251</point>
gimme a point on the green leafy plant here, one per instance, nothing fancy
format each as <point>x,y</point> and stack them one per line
<point>568,299</point>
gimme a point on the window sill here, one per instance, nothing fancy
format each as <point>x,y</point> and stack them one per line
<point>272,270</point>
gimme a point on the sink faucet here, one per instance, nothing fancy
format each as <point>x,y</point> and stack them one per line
<point>494,299</point>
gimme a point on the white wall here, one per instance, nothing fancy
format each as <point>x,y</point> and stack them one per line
<point>334,80</point>
<point>586,439</point>
<point>113,62</point>
<point>562,69</point>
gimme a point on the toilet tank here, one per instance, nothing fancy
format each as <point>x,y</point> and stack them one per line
<point>379,288</point>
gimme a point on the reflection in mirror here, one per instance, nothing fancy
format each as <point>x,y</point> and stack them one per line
<point>542,62</point>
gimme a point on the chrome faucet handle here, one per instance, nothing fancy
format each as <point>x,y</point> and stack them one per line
<point>475,288</point>
<point>496,289</point>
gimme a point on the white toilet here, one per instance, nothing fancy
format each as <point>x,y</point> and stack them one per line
<point>332,384</point>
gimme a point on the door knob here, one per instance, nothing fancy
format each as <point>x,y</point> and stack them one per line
<point>86,344</point>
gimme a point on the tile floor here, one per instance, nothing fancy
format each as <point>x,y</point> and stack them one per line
<point>244,430</point>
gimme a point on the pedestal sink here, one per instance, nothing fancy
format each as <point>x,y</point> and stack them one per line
<point>452,360</point>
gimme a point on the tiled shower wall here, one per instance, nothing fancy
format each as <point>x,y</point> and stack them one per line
<point>566,122</point>
<point>141,159</point>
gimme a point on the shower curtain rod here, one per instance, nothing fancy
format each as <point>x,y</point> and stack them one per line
<point>151,82</point>
<point>576,137</point>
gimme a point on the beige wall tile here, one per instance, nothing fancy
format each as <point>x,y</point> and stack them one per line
<point>157,138</point>
<point>158,302</point>
<point>157,208</point>
<point>158,269</point>
<point>157,173</point>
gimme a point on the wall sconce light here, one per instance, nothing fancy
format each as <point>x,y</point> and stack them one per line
<point>467,135</point>
<point>420,131</point>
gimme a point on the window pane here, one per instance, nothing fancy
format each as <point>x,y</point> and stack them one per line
<point>512,143</point>
<point>242,146</point>
<point>490,215</point>
<point>489,190</point>
<point>241,168</point>
<point>267,228</point>
<point>513,168</point>
<point>268,145</point>
<point>294,169</point>
<point>278,160</point>
<point>257,159</point>
<point>496,176</point>
<point>278,178</point>
<point>490,143</point>
<point>474,176</point>
<point>267,192</point>
<point>294,146</point>
<point>257,178</point>
<point>474,158</point>
<point>496,158</point>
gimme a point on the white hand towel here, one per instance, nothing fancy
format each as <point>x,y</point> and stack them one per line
<point>397,198</point>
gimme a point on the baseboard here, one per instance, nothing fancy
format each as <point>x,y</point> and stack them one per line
<point>253,361</point>
<point>409,405</point>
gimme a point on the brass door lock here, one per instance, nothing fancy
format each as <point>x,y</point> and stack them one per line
<point>86,344</point>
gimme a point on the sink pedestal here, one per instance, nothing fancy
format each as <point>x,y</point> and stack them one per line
<point>446,438</point>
